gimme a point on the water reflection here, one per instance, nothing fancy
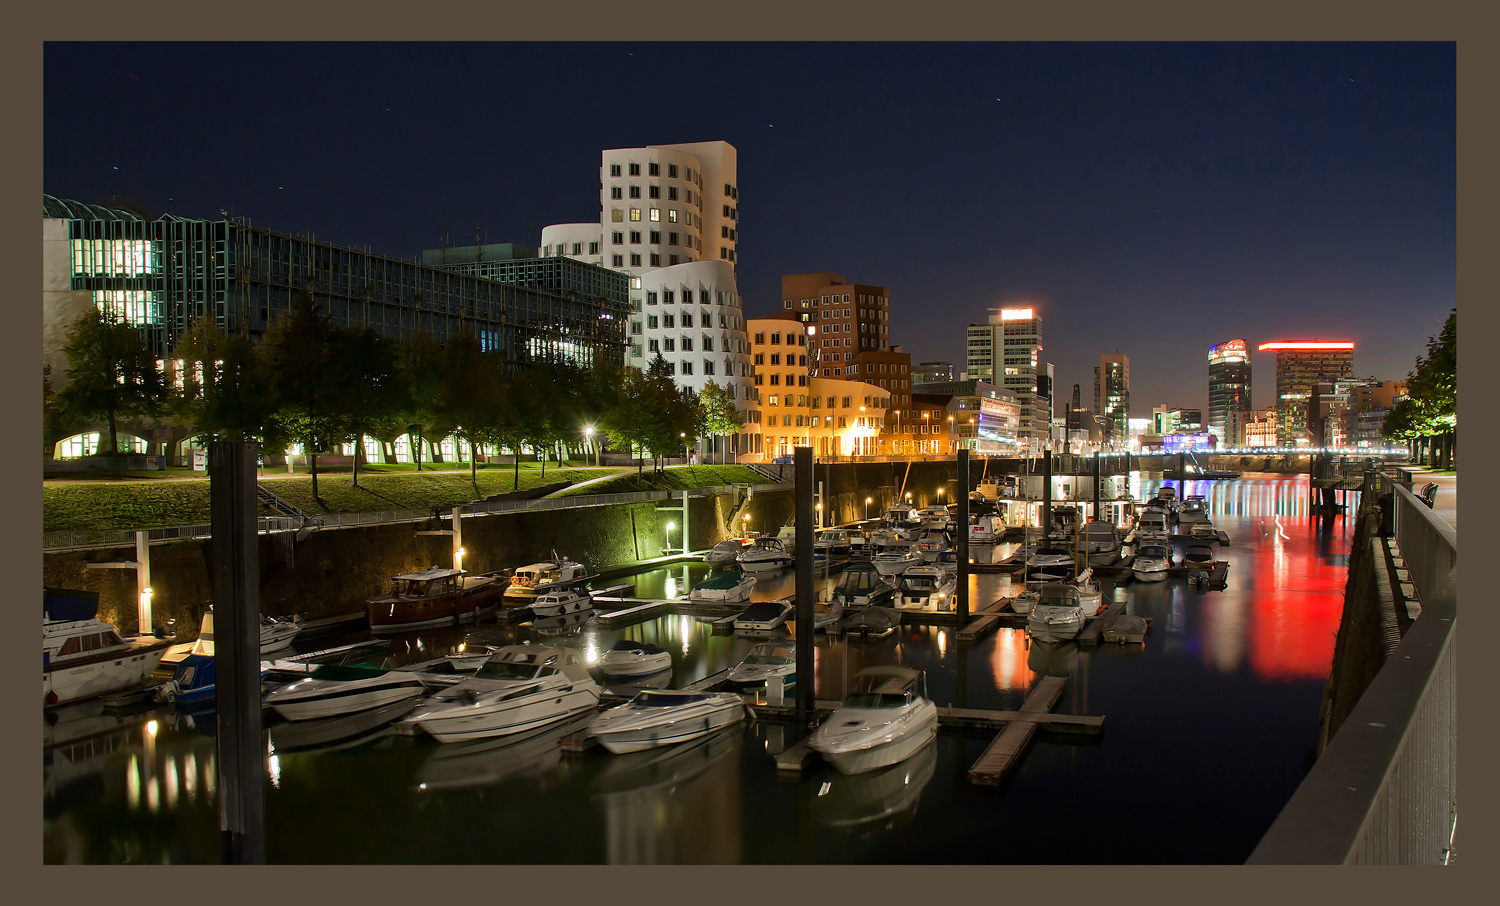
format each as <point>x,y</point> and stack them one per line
<point>878,801</point>
<point>530,757</point>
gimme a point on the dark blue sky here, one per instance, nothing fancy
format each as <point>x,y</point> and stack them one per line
<point>1150,198</point>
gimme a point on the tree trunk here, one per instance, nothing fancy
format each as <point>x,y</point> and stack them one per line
<point>473,464</point>
<point>516,468</point>
<point>544,465</point>
<point>312,464</point>
<point>114,443</point>
<point>416,447</point>
<point>359,452</point>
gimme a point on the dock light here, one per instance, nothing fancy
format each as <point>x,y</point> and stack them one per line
<point>151,727</point>
<point>458,558</point>
<point>670,526</point>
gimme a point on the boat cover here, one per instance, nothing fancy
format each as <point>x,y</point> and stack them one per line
<point>644,647</point>
<point>723,580</point>
<point>762,611</point>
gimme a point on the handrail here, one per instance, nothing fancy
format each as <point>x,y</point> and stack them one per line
<point>1429,545</point>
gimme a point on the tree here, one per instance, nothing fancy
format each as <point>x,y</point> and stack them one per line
<point>470,394</point>
<point>112,374</point>
<point>300,349</point>
<point>625,423</point>
<point>1428,417</point>
<point>422,365</point>
<point>720,417</point>
<point>239,396</point>
<point>368,384</point>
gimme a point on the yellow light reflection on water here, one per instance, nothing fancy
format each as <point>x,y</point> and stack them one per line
<point>671,590</point>
<point>190,777</point>
<point>169,776</point>
<point>133,783</point>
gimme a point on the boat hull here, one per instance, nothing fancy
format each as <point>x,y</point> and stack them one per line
<point>1054,630</point>
<point>391,614</point>
<point>669,733</point>
<point>336,704</point>
<point>642,666</point>
<point>1149,575</point>
<point>508,717</point>
<point>73,682</point>
<point>909,743</point>
<point>765,565</point>
<point>563,609</point>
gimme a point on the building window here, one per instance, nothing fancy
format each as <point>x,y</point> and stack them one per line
<point>672,171</point>
<point>760,339</point>
<point>672,259</point>
<point>635,169</point>
<point>708,346</point>
<point>671,344</point>
<point>651,321</point>
<point>635,215</point>
<point>614,169</point>
<point>635,191</point>
<point>635,237</point>
<point>617,238</point>
<point>616,192</point>
<point>669,320</point>
<point>656,215</point>
<point>655,346</point>
<point>619,261</point>
<point>726,210</point>
<point>593,248</point>
<point>635,328</point>
<point>708,366</point>
<point>635,260</point>
<point>760,358</point>
<point>687,319</point>
<point>776,380</point>
<point>671,238</point>
<point>672,215</point>
<point>687,344</point>
<point>656,237</point>
<point>775,339</point>
<point>654,169</point>
<point>666,296</point>
<point>650,297</point>
<point>655,260</point>
<point>654,191</point>
<point>671,193</point>
<point>616,215</point>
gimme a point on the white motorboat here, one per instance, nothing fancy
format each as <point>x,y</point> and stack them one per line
<point>277,633</point>
<point>862,586</point>
<point>335,689</point>
<point>765,554</point>
<point>1058,614</point>
<point>886,718</point>
<point>765,662</point>
<point>470,656</point>
<point>561,603</point>
<point>926,588</point>
<point>936,518</point>
<point>902,517</point>
<point>1151,563</point>
<point>895,562</point>
<point>763,616</point>
<point>557,574</point>
<point>627,660</point>
<point>1024,601</point>
<point>1151,525</point>
<point>886,540</point>
<point>725,552</point>
<point>1194,508</point>
<point>663,717</point>
<point>1203,530</point>
<point>1199,560</point>
<point>861,547</point>
<point>871,622</point>
<point>1090,594</point>
<point>1052,559</point>
<point>1102,541</point>
<point>984,531</point>
<point>83,656</point>
<point>724,587</point>
<point>832,546</point>
<point>520,688</point>
<point>930,545</point>
<point>989,488</point>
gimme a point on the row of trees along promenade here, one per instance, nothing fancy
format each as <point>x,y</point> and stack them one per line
<point>313,384</point>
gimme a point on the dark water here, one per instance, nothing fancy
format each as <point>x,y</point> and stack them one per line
<point>1209,727</point>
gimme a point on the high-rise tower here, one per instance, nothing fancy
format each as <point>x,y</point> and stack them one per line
<point>1229,391</point>
<point>1004,352</point>
<point>1299,366</point>
<point>1112,396</point>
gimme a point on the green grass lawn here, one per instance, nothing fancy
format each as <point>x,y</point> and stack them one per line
<point>144,504</point>
<point>675,478</point>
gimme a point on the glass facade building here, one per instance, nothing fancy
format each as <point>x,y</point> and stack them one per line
<point>1112,396</point>
<point>163,275</point>
<point>1300,366</point>
<point>1229,391</point>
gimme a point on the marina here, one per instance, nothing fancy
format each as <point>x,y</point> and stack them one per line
<point>1024,715</point>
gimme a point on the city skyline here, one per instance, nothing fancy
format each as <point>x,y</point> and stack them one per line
<point>1164,197</point>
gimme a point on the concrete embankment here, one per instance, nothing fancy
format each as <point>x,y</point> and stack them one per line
<point>333,571</point>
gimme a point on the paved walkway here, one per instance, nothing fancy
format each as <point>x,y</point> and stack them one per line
<point>1445,504</point>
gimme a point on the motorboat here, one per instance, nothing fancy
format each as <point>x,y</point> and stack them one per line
<point>561,602</point>
<point>1065,521</point>
<point>766,662</point>
<point>725,552</point>
<point>936,518</point>
<point>433,597</point>
<point>82,656</point>
<point>723,587</point>
<point>1203,530</point>
<point>1151,525</point>
<point>902,517</point>
<point>763,616</point>
<point>861,585</point>
<point>336,689</point>
<point>873,622</point>
<point>664,717</point>
<point>1058,614</point>
<point>1024,600</point>
<point>628,659</point>
<point>1151,563</point>
<point>826,614</point>
<point>989,488</point>
<point>894,562</point>
<point>1090,594</point>
<point>470,656</point>
<point>926,588</point>
<point>534,579</point>
<point>930,545</point>
<point>832,546</point>
<point>983,530</point>
<point>885,719</point>
<point>520,688</point>
<point>765,554</point>
<point>861,547</point>
<point>277,633</point>
<point>192,682</point>
<point>1199,560</point>
<point>1051,558</point>
<point>1102,541</point>
<point>1194,509</point>
<point>886,540</point>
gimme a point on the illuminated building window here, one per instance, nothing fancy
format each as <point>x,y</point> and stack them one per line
<point>112,258</point>
<point>135,307</point>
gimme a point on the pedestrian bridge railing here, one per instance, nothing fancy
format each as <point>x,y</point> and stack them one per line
<point>1385,789</point>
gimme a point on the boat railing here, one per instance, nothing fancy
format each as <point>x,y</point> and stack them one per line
<point>1385,788</point>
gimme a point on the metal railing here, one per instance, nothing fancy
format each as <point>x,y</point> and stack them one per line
<point>1385,790</point>
<point>188,531</point>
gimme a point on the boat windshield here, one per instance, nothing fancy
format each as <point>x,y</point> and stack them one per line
<point>1057,594</point>
<point>874,700</point>
<point>502,670</point>
<point>917,583</point>
<point>1159,553</point>
<point>766,660</point>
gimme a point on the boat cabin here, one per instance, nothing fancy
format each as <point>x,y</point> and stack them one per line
<point>526,662</point>
<point>769,544</point>
<point>1058,595</point>
<point>886,687</point>
<point>427,583</point>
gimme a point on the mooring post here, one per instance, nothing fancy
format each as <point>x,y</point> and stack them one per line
<point>236,584</point>
<point>962,591</point>
<point>143,582</point>
<point>1046,492</point>
<point>1097,495</point>
<point>803,473</point>
<point>458,538</point>
<point>1181,475</point>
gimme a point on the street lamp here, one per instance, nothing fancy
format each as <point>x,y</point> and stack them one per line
<point>868,501</point>
<point>747,523</point>
<point>820,515</point>
<point>588,432</point>
<point>458,558</point>
<point>670,526</point>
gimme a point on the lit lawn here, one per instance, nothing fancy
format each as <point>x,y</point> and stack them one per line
<point>143,504</point>
<point>674,478</point>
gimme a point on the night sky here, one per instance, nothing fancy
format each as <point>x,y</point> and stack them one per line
<point>1148,198</point>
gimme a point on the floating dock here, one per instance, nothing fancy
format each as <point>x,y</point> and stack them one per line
<point>1006,750</point>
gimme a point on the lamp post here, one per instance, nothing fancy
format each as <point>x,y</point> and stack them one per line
<point>588,433</point>
<point>747,524</point>
<point>950,434</point>
<point>820,515</point>
<point>868,501</point>
<point>670,526</point>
